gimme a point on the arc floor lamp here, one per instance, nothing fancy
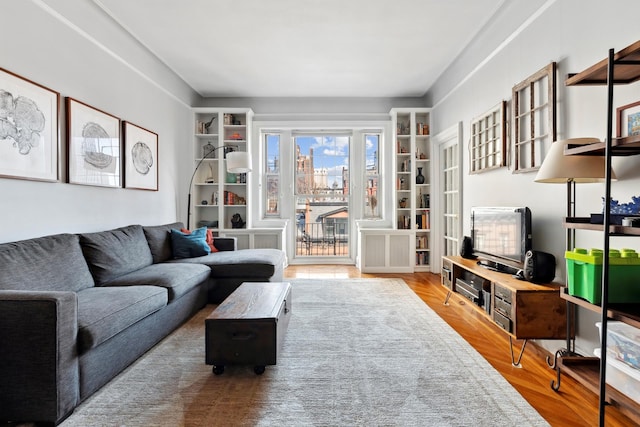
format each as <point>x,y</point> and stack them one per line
<point>237,162</point>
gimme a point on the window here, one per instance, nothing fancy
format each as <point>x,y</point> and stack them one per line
<point>322,167</point>
<point>272,175</point>
<point>487,148</point>
<point>372,175</point>
<point>534,115</point>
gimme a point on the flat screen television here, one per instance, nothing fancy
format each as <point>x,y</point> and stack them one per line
<point>501,235</point>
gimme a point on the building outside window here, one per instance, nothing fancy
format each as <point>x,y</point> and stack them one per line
<point>272,175</point>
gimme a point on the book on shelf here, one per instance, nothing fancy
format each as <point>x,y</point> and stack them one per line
<point>422,258</point>
<point>231,198</point>
<point>422,221</point>
<point>404,222</point>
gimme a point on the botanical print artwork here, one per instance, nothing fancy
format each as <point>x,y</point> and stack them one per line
<point>140,158</point>
<point>94,147</point>
<point>21,120</point>
<point>633,124</point>
<point>28,129</point>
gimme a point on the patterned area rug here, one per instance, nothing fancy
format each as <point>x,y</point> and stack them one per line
<point>358,352</point>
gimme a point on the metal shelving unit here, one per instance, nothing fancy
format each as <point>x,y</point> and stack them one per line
<point>622,67</point>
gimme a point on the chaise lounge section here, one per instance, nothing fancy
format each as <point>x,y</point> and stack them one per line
<point>77,309</point>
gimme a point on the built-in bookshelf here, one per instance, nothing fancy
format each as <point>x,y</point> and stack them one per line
<point>216,194</point>
<point>413,179</point>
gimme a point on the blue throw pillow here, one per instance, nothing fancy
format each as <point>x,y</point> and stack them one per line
<point>189,245</point>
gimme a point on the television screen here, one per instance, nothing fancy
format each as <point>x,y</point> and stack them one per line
<point>501,234</point>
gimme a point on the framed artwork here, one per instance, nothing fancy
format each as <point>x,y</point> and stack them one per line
<point>94,147</point>
<point>488,144</point>
<point>29,114</point>
<point>628,120</point>
<point>140,157</point>
<point>534,119</point>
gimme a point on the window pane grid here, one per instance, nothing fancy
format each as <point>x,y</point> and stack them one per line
<point>372,176</point>
<point>272,175</point>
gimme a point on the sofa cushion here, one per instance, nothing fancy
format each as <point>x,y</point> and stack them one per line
<point>178,279</point>
<point>105,311</point>
<point>190,244</point>
<point>159,240</point>
<point>113,253</point>
<point>52,263</point>
<point>209,239</point>
<point>245,263</point>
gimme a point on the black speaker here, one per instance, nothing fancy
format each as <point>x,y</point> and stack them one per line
<point>466,250</point>
<point>539,267</point>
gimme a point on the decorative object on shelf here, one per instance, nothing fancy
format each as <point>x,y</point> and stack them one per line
<point>419,177</point>
<point>204,202</point>
<point>630,221</point>
<point>210,178</point>
<point>237,162</point>
<point>615,207</point>
<point>231,178</point>
<point>94,146</point>
<point>140,157</point>
<point>237,221</point>
<point>426,200</point>
<point>235,136</point>
<point>208,149</point>
<point>208,124</point>
<point>402,202</point>
<point>628,120</point>
<point>401,184</point>
<point>33,130</point>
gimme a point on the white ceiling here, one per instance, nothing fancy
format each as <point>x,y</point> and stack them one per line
<point>304,48</point>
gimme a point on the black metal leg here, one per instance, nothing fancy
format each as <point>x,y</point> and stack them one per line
<point>446,300</point>
<point>515,362</point>
<point>555,384</point>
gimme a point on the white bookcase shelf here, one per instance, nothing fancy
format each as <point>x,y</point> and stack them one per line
<point>413,178</point>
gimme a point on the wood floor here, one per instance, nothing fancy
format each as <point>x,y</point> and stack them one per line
<point>572,405</point>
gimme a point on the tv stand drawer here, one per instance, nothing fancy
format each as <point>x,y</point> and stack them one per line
<point>503,322</point>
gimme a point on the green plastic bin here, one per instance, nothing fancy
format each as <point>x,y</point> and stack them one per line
<point>584,275</point>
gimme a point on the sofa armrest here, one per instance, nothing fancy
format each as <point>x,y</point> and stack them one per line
<point>226,243</point>
<point>38,361</point>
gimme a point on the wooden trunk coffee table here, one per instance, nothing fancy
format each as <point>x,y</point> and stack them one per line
<point>248,327</point>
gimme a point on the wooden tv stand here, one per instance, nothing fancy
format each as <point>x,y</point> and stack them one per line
<point>522,309</point>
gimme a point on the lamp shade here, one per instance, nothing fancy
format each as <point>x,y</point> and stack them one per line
<point>238,162</point>
<point>558,168</point>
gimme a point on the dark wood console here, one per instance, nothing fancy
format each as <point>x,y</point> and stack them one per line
<point>522,309</point>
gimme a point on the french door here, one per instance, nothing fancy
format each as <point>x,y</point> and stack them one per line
<point>321,194</point>
<point>449,187</point>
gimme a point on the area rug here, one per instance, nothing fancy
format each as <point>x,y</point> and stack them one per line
<point>358,352</point>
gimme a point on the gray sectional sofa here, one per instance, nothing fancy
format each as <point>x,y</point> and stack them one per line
<point>76,309</point>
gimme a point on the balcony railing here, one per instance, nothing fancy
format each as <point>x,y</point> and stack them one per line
<point>321,239</point>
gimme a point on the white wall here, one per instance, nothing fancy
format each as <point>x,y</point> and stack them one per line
<point>78,51</point>
<point>576,34</point>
